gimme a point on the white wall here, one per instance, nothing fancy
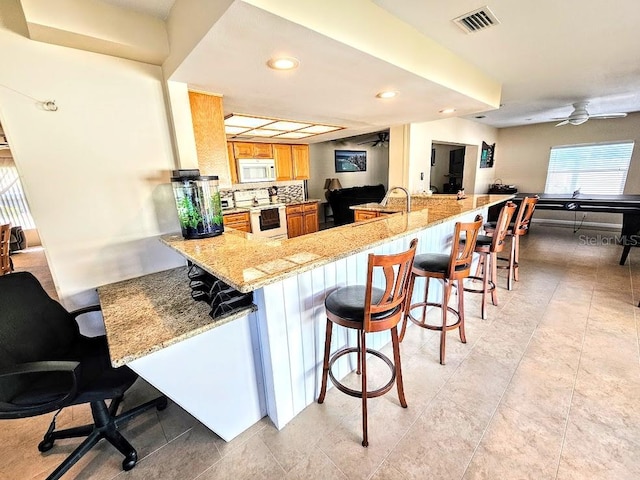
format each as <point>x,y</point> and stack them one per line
<point>452,130</point>
<point>522,156</point>
<point>96,172</point>
<point>322,166</point>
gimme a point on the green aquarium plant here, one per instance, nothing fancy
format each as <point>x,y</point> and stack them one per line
<point>198,204</point>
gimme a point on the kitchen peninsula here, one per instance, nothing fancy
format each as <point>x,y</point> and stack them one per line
<point>266,361</point>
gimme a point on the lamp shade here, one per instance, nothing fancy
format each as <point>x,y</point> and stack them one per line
<point>334,184</point>
<point>327,182</point>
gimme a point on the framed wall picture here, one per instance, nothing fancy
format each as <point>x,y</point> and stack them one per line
<point>486,155</point>
<point>351,161</point>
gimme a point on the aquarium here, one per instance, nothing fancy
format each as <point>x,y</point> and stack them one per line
<point>198,203</point>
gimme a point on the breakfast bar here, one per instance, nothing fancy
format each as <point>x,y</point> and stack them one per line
<point>265,359</point>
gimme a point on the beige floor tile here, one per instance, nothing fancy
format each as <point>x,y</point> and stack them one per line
<point>315,465</point>
<point>540,392</point>
<point>439,444</point>
<point>387,472</point>
<point>292,444</point>
<point>251,461</point>
<point>516,446</point>
<point>185,457</point>
<point>477,385</point>
<point>594,451</point>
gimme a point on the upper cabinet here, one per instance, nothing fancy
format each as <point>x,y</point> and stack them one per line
<point>284,162</point>
<point>292,161</point>
<point>252,150</point>
<point>300,154</point>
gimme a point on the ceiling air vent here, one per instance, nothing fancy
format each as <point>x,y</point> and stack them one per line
<point>479,19</point>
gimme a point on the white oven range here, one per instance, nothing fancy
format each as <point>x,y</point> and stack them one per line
<point>268,220</point>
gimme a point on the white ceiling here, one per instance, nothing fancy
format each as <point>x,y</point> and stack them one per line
<point>548,54</point>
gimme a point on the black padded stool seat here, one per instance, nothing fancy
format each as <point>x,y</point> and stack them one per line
<point>488,248</point>
<point>449,268</point>
<point>370,309</point>
<point>348,304</point>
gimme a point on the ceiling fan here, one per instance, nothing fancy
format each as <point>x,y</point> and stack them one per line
<point>580,115</point>
<point>381,141</point>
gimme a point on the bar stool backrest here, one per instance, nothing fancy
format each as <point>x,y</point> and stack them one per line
<point>462,252</point>
<point>525,213</point>
<point>502,227</point>
<point>5,235</point>
<point>397,271</point>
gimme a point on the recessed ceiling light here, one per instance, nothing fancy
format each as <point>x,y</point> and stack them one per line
<point>387,94</point>
<point>448,110</point>
<point>283,63</point>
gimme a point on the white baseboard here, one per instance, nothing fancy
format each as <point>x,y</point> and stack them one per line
<point>572,224</point>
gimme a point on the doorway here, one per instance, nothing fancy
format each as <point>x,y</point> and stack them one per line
<point>27,253</point>
<point>447,167</point>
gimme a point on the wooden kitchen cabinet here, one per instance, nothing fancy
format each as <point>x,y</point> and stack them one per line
<point>300,156</point>
<point>284,161</point>
<point>239,221</point>
<point>310,211</point>
<point>292,161</point>
<point>302,219</point>
<point>360,215</point>
<point>252,150</point>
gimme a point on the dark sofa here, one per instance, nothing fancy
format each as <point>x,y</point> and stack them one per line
<point>341,200</point>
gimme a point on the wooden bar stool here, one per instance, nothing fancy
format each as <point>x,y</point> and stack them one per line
<point>449,268</point>
<point>5,261</point>
<point>488,247</point>
<point>520,227</point>
<point>370,309</point>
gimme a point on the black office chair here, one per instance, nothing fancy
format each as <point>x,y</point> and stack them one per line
<point>46,364</point>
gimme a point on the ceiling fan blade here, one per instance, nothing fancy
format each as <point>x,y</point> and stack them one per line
<point>564,122</point>
<point>606,116</point>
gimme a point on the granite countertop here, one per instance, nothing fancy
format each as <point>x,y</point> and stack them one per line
<point>148,313</point>
<point>229,211</point>
<point>301,202</point>
<point>248,263</point>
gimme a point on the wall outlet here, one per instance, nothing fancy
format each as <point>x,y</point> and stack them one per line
<point>421,175</point>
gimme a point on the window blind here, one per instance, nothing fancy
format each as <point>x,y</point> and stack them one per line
<point>594,169</point>
<point>13,205</point>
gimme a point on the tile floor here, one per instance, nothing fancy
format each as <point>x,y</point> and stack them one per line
<point>546,388</point>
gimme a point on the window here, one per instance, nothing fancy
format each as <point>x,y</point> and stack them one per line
<point>13,205</point>
<point>599,168</point>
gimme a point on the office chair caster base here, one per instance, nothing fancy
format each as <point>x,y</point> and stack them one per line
<point>130,461</point>
<point>45,445</point>
<point>162,403</point>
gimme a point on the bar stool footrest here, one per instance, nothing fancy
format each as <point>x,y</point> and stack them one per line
<point>429,326</point>
<point>491,286</point>
<point>358,393</point>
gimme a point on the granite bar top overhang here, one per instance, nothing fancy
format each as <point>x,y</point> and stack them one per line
<point>247,263</point>
<point>146,314</point>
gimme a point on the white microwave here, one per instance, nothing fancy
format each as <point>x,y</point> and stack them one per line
<point>256,170</point>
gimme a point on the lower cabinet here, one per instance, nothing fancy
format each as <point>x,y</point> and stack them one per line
<point>239,221</point>
<point>360,215</point>
<point>302,219</point>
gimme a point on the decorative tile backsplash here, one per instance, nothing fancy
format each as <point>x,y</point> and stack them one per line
<point>287,191</point>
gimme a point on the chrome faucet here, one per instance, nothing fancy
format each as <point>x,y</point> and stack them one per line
<point>386,197</point>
